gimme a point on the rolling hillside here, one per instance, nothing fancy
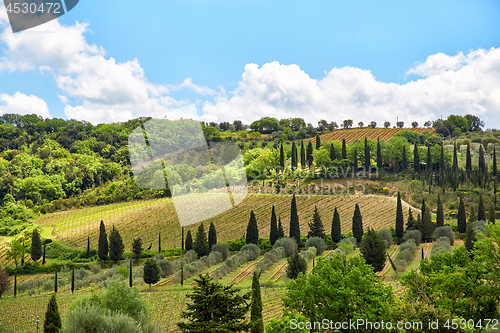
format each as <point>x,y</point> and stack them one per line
<point>146,218</point>
<point>352,134</point>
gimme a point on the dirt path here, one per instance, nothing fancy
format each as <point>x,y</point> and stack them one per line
<point>395,199</point>
<point>388,263</point>
<point>244,273</point>
<point>280,272</point>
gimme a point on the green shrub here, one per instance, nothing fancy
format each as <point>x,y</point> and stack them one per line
<point>289,244</point>
<point>252,249</point>
<point>222,248</point>
<point>387,235</point>
<point>318,243</point>
<point>442,245</point>
<point>445,231</point>
<point>416,235</point>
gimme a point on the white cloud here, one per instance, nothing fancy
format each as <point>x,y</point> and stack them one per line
<point>23,104</point>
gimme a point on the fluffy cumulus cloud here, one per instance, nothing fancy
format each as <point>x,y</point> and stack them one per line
<point>95,87</point>
<point>23,104</point>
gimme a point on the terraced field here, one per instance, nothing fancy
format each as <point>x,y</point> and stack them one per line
<point>146,218</point>
<point>352,134</point>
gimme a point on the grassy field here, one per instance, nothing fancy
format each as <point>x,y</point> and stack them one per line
<point>146,218</point>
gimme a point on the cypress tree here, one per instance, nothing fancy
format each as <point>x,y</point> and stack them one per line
<point>256,321</point>
<point>410,223</point>
<point>22,256</point>
<point>116,246</point>
<point>302,155</point>
<point>73,280</point>
<point>15,284</point>
<point>429,159</point>
<point>294,221</point>
<point>87,255</point>
<point>137,247</point>
<point>492,213</point>
<point>309,154</point>
<point>357,224</point>
<point>367,155</point>
<point>461,218</point>
<point>422,209</point>
<point>468,162</point>
<point>379,154</point>
<point>102,247</point>
<point>252,235</point>
<point>130,275</point>
<point>372,249</point>
<point>52,323</point>
<point>189,241</point>
<point>333,154</point>
<point>399,218</point>
<point>318,142</point>
<point>470,238</point>
<point>355,161</point>
<point>405,160</point>
<point>344,149</point>
<point>427,225</point>
<point>281,232</point>
<point>282,158</point>
<point>316,226</point>
<point>36,245</point>
<point>43,257</point>
<point>55,282</point>
<point>151,272</point>
<point>336,228</point>
<point>296,264</point>
<point>159,241</point>
<point>473,216</point>
<point>455,157</point>
<point>294,156</point>
<point>441,161</point>
<point>200,244</point>
<point>481,162</point>
<point>416,159</point>
<point>212,235</point>
<point>439,213</point>
<point>481,212</point>
<point>494,162</point>
<point>418,223</point>
<point>273,234</point>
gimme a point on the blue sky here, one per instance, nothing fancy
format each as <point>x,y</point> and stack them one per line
<point>211,42</point>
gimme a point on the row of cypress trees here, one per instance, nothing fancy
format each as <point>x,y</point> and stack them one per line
<point>201,245</point>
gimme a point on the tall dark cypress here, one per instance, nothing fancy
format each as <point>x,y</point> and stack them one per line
<point>52,323</point>
<point>309,154</point>
<point>439,213</point>
<point>189,241</point>
<point>416,158</point>
<point>367,155</point>
<point>294,156</point>
<point>455,157</point>
<point>87,255</point>
<point>399,218</point>
<point>404,159</point>
<point>422,209</point>
<point>379,154</point>
<point>481,211</point>
<point>273,234</point>
<point>492,213</point>
<point>429,159</point>
<point>427,225</point>
<point>159,241</point>
<point>461,217</point>
<point>15,284</point>
<point>116,247</point>
<point>256,321</point>
<point>200,244</point>
<point>281,232</point>
<point>470,239</point>
<point>357,224</point>
<point>495,172</point>
<point>102,247</point>
<point>410,223</point>
<point>36,245</point>
<point>355,160</point>
<point>333,154</point>
<point>282,158</point>
<point>73,280</point>
<point>336,227</point>
<point>344,149</point>
<point>316,226</point>
<point>294,221</point>
<point>252,235</point>
<point>43,256</point>
<point>302,155</point>
<point>441,161</point>
<point>212,235</point>
<point>473,216</point>
<point>55,282</point>
<point>468,162</point>
<point>318,142</point>
<point>481,161</point>
<point>130,275</point>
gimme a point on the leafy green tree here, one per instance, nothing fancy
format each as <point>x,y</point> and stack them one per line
<point>439,213</point>
<point>137,247</point>
<point>379,154</point>
<point>15,251</point>
<point>372,249</point>
<point>215,308</point>
<point>296,264</point>
<point>281,232</point>
<point>252,235</point>
<point>481,212</point>
<point>36,245</point>
<point>344,149</point>
<point>273,234</point>
<point>52,323</point>
<point>316,226</point>
<point>302,155</point>
<point>399,218</point>
<point>189,241</point>
<point>212,235</point>
<point>309,154</point>
<point>336,227</point>
<point>151,272</point>
<point>357,224</point>
<point>256,321</point>
<point>340,288</point>
<point>116,246</point>
<point>200,244</point>
<point>333,154</point>
<point>119,297</point>
<point>416,158</point>
<point>102,249</point>
<point>294,221</point>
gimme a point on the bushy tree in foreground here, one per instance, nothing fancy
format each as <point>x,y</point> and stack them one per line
<point>215,308</point>
<point>151,272</point>
<point>52,323</point>
<point>372,249</point>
